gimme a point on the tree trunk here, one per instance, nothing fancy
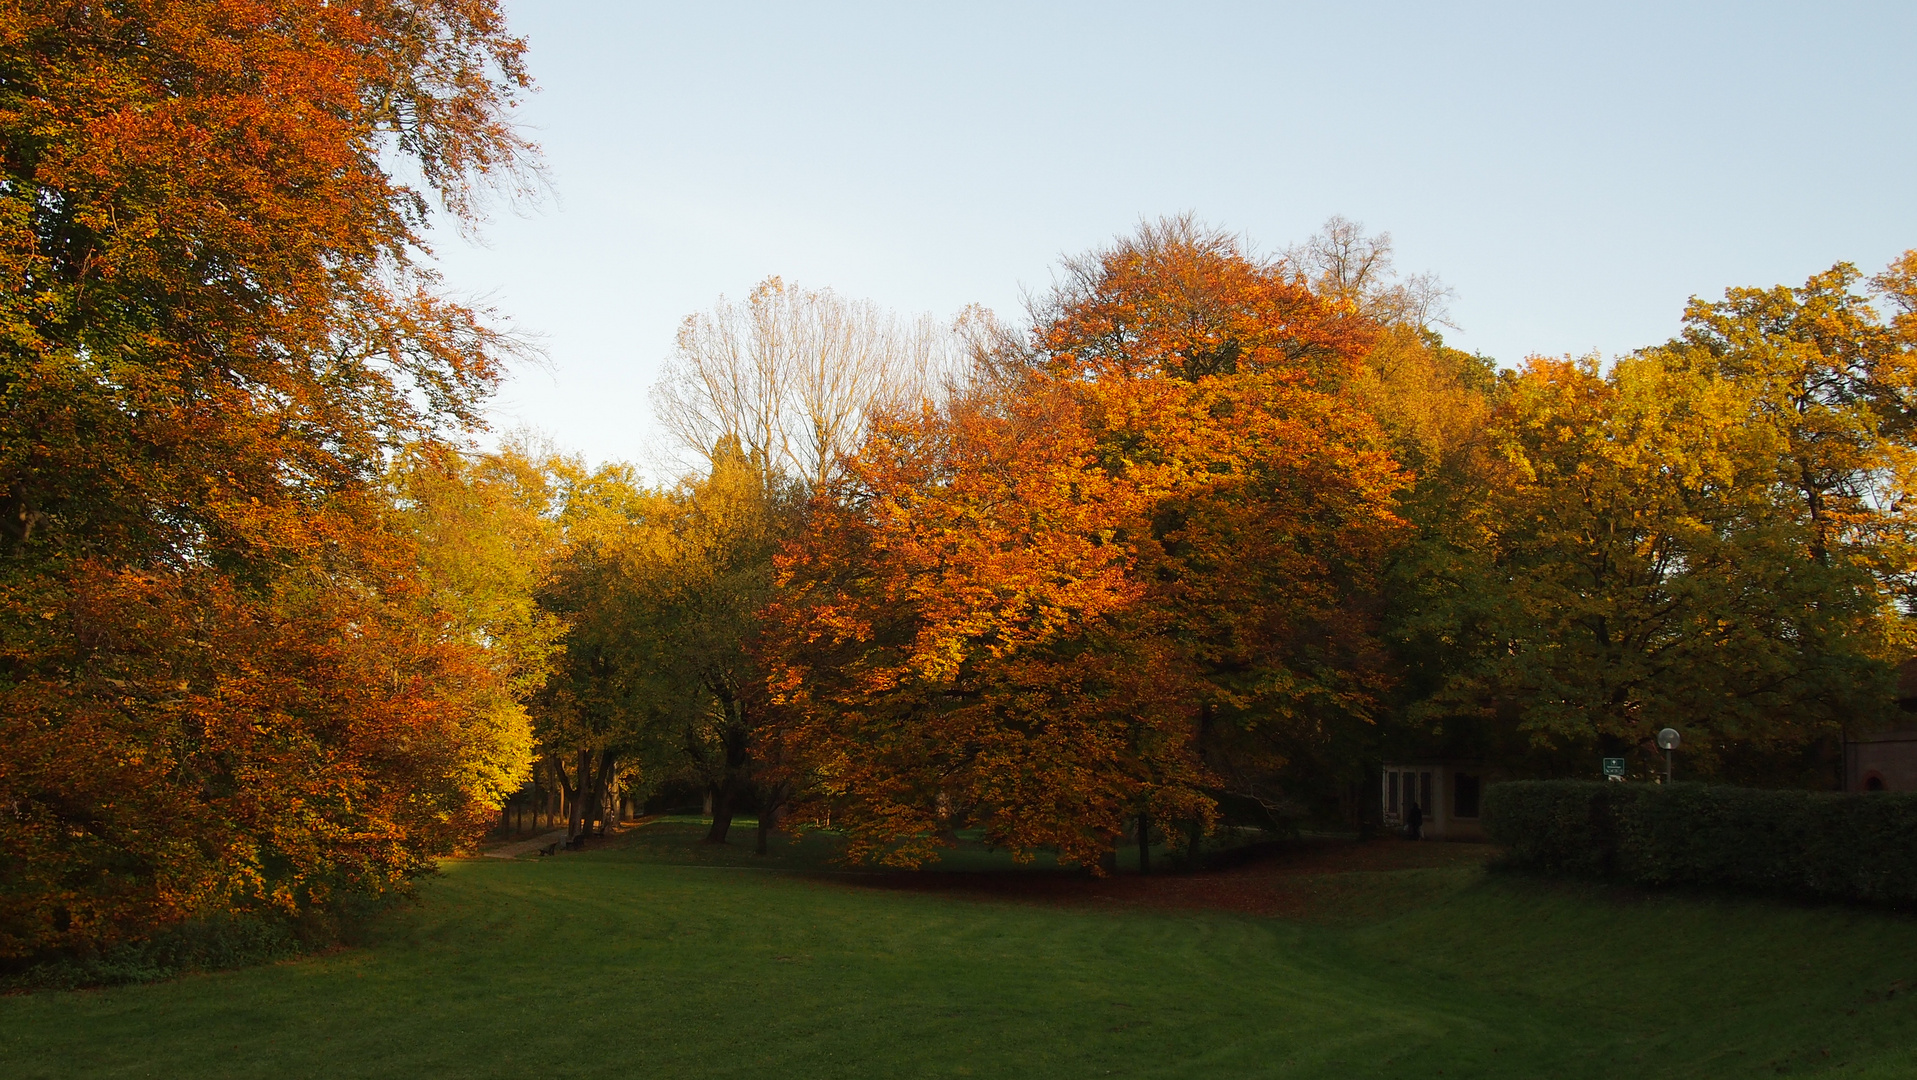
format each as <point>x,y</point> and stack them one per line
<point>588,798</point>
<point>721,814</point>
<point>576,795</point>
<point>566,794</point>
<point>1144,843</point>
<point>769,810</point>
<point>582,794</point>
<point>730,782</point>
<point>602,791</point>
<point>1194,836</point>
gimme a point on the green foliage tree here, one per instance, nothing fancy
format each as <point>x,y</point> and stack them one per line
<point>706,602</point>
<point>659,592</point>
<point>1432,403</point>
<point>595,710</point>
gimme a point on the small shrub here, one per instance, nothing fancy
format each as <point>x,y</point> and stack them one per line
<point>1799,843</point>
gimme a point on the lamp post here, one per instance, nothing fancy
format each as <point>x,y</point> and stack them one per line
<point>1667,740</point>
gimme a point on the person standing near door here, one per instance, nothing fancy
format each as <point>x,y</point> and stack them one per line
<point>1414,822</point>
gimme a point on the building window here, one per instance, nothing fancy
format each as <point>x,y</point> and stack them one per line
<point>1424,794</point>
<point>1391,793</point>
<point>1464,795</point>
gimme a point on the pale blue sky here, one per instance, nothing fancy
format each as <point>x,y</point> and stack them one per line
<point>1573,172</point>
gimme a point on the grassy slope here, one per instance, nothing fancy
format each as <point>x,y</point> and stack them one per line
<point>664,960</point>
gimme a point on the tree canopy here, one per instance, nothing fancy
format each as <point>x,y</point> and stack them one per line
<point>230,679</point>
<point>1123,582</point>
<point>1206,536</point>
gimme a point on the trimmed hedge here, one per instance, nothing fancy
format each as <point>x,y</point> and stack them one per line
<point>1795,843</point>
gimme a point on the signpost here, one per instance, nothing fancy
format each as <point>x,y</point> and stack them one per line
<point>1667,741</point>
<point>1614,768</point>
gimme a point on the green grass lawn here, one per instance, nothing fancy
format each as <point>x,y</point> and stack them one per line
<point>658,958</point>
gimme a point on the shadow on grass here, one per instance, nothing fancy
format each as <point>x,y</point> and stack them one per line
<point>1313,878</point>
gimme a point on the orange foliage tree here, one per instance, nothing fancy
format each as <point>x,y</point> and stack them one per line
<point>221,686</point>
<point>1108,592</point>
<point>961,634</point>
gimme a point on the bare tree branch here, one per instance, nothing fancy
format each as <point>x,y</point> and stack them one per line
<point>796,376</point>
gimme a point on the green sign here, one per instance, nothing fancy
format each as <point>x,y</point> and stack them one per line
<point>1614,766</point>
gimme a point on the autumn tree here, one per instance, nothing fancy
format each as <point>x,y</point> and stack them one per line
<point>486,535</point>
<point>705,602</point>
<point>1431,399</point>
<point>1184,301</point>
<point>957,639</point>
<point>1433,403</point>
<point>224,682</point>
<point>1100,595</point>
<point>1710,534</point>
<point>1836,385</point>
<point>1277,490</point>
<point>780,390</point>
<point>596,713</point>
<point>659,592</point>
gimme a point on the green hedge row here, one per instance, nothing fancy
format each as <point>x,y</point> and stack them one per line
<point>1798,843</point>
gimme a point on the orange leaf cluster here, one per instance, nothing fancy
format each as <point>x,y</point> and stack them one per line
<point>1028,613</point>
<point>180,748</point>
<point>1181,302</point>
<point>223,686</point>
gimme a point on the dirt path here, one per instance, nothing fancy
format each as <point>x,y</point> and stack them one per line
<point>522,847</point>
<point>525,847</point>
